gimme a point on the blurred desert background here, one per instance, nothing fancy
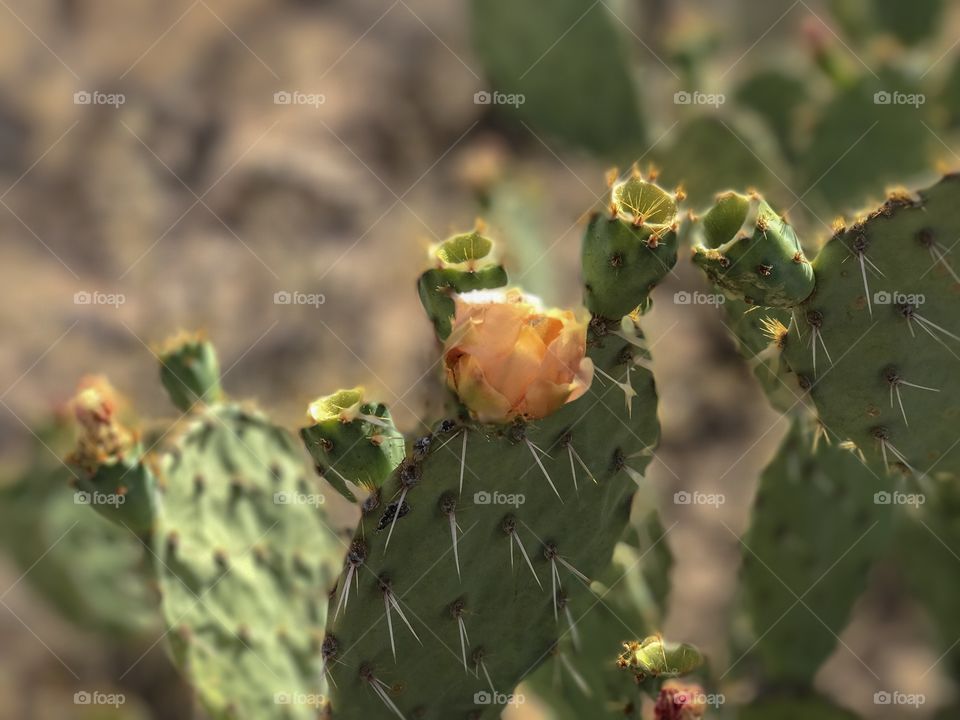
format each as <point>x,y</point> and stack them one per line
<point>203,194</point>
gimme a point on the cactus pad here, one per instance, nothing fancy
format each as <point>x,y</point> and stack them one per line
<point>482,622</point>
<point>752,252</point>
<point>243,565</point>
<point>630,249</point>
<point>878,342</point>
<point>352,440</point>
<point>816,532</point>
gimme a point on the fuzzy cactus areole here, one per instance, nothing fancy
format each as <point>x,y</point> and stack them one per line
<point>507,357</point>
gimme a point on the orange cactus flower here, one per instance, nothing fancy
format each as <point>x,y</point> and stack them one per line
<point>507,357</point>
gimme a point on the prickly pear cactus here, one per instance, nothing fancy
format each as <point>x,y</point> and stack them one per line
<point>874,342</point>
<point>627,251</point>
<point>244,558</point>
<point>927,535</point>
<point>877,343</point>
<point>110,471</point>
<point>244,565</point>
<point>469,562</point>
<point>462,263</point>
<point>580,680</point>
<point>821,518</point>
<point>750,250</point>
<point>352,441</point>
<point>92,571</point>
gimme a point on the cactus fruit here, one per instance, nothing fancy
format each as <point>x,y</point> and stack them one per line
<point>655,658</point>
<point>244,557</point>
<point>753,252</point>
<point>353,441</point>
<point>629,250</point>
<point>817,528</point>
<point>501,577</point>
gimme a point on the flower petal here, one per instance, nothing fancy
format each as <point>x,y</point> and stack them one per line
<point>467,379</point>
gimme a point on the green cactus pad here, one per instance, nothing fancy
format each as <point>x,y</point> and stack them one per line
<point>352,440</point>
<point>581,679</point>
<point>818,525</point>
<point>474,613</point>
<point>190,371</point>
<point>91,570</point>
<point>245,565</point>
<point>461,269</point>
<point>708,154</point>
<point>122,489</point>
<point>862,141</point>
<point>878,342</point>
<point>111,474</point>
<point>629,250</point>
<point>750,251</point>
<point>776,96</point>
<point>927,538</point>
<point>911,23</point>
<point>548,62</point>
